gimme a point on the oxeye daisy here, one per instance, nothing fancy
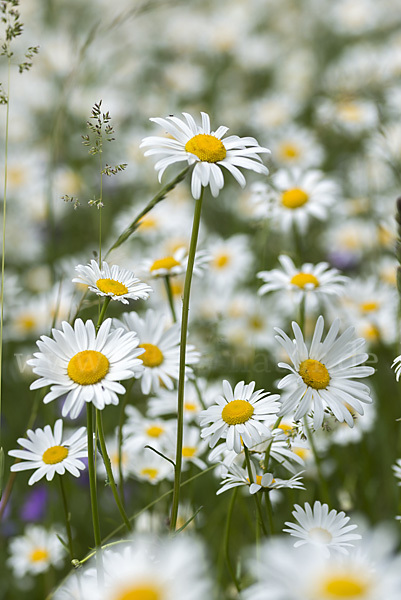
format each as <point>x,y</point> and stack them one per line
<point>47,452</point>
<point>319,527</point>
<point>206,150</point>
<point>114,282</point>
<point>323,377</point>
<point>240,414</point>
<point>174,264</point>
<point>161,347</point>
<point>85,366</point>
<point>237,476</point>
<point>309,281</point>
<point>35,551</point>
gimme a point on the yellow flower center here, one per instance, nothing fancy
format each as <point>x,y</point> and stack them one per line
<point>111,286</point>
<point>190,406</point>
<point>369,306</point>
<point>38,555</point>
<point>294,198</point>
<point>349,112</point>
<point>314,374</point>
<point>149,472</point>
<point>206,147</point>
<point>221,261</point>
<point>371,332</point>
<point>153,356</point>
<point>286,428</point>
<point>54,455</point>
<point>154,431</point>
<point>302,279</point>
<point>147,223</point>
<point>301,452</point>
<point>139,592</point>
<point>26,322</point>
<point>344,586</point>
<point>188,451</point>
<point>88,367</point>
<point>164,263</point>
<point>237,411</point>
<point>288,150</point>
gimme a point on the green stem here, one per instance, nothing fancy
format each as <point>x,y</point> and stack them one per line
<point>169,291</point>
<point>257,499</point>
<point>92,477</point>
<point>183,345</point>
<point>67,515</point>
<point>120,441</point>
<point>323,485</point>
<point>103,312</point>
<point>109,470</point>
<point>100,209</point>
<point>269,510</point>
<point>227,539</point>
<point>155,200</point>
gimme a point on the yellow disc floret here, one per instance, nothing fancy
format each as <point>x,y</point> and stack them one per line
<point>221,260</point>
<point>54,455</point>
<point>314,374</point>
<point>302,279</point>
<point>343,586</point>
<point>288,150</point>
<point>237,411</point>
<point>88,367</point>
<point>188,451</point>
<point>149,472</point>
<point>153,356</point>
<point>294,198</point>
<point>139,592</point>
<point>206,147</point>
<point>155,431</point>
<point>164,263</point>
<point>111,286</point>
<point>39,554</point>
<point>369,306</point>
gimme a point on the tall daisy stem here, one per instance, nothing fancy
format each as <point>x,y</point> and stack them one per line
<point>257,499</point>
<point>183,347</point>
<point>109,470</point>
<point>67,515</point>
<point>103,312</point>
<point>92,476</point>
<point>167,283</point>
<point>323,484</point>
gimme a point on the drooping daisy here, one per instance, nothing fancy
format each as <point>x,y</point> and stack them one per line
<point>309,281</point>
<point>85,366</point>
<point>323,377</point>
<point>239,414</point>
<point>152,568</point>
<point>300,195</point>
<point>162,349</point>
<point>46,452</point>
<point>35,551</point>
<point>319,527</point>
<point>114,282</point>
<point>205,149</point>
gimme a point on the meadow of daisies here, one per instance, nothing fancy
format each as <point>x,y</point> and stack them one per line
<point>200,339</point>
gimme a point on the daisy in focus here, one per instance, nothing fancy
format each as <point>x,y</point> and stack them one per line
<point>161,345</point>
<point>47,453</point>
<point>326,530</point>
<point>240,416</point>
<point>323,377</point>
<point>85,366</point>
<point>206,150</point>
<point>113,282</point>
<point>309,281</point>
<point>35,551</point>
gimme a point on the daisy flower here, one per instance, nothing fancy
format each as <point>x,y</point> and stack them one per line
<point>154,568</point>
<point>324,375</point>
<point>295,146</point>
<point>47,453</point>
<point>300,195</point>
<point>162,349</point>
<point>85,366</point>
<point>35,551</point>
<point>140,432</point>
<point>113,282</point>
<point>175,264</point>
<point>319,527</point>
<point>237,476</point>
<point>206,150</point>
<point>240,414</point>
<point>149,466</point>
<point>310,281</point>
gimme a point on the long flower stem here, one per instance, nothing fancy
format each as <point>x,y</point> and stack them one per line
<point>67,516</point>
<point>109,470</point>
<point>257,499</point>
<point>227,539</point>
<point>120,441</point>
<point>323,484</point>
<point>92,477</point>
<point>183,346</point>
<point>103,312</point>
<point>167,283</point>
